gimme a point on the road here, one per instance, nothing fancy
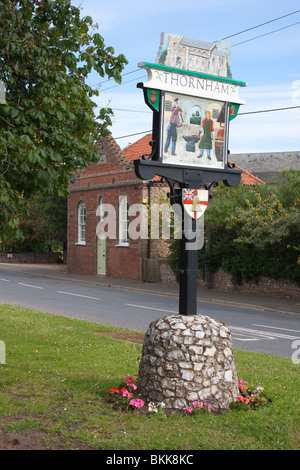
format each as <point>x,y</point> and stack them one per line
<point>251,329</point>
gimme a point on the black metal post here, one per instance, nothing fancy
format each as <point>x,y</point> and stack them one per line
<point>188,269</point>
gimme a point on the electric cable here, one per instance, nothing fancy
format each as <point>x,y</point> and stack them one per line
<point>269,110</point>
<point>109,79</point>
<point>266,34</point>
<point>259,25</point>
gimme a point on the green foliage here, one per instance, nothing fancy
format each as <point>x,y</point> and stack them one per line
<point>48,125</point>
<point>255,231</point>
<point>44,228</point>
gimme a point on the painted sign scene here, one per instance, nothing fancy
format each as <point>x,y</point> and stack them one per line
<point>194,131</point>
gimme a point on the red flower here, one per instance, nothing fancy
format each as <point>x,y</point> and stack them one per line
<point>129,380</point>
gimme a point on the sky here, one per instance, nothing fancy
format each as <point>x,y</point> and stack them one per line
<point>270,64</point>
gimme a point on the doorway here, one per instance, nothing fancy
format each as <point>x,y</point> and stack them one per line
<point>101,254</point>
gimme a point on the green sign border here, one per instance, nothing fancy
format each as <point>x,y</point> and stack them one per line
<point>192,73</point>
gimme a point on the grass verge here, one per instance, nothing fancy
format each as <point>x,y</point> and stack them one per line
<point>56,377</point>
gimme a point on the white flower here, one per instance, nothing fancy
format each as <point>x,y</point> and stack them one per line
<point>152,408</point>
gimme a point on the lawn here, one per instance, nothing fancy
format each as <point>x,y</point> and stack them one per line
<point>58,371</point>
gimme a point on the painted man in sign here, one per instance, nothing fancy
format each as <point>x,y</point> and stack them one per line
<point>176,111</point>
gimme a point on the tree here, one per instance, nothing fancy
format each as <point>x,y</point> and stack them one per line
<point>45,226</point>
<point>48,125</point>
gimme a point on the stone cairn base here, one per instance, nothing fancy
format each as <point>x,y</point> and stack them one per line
<point>187,359</point>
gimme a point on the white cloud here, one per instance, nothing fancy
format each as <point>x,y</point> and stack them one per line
<point>266,132</point>
<point>272,95</point>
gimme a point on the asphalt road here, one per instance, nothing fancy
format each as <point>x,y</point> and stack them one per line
<point>252,329</point>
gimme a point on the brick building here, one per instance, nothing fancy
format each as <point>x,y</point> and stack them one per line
<point>112,180</point>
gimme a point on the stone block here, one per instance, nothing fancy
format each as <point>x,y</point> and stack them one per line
<point>187,358</point>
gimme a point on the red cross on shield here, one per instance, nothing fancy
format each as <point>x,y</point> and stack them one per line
<point>195,201</point>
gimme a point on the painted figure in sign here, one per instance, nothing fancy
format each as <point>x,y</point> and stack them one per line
<point>206,141</point>
<point>176,114</point>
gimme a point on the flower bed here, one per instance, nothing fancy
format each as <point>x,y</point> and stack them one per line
<point>127,397</point>
<point>250,398</point>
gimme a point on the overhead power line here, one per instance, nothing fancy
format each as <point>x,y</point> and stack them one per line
<point>266,34</point>
<point>123,83</point>
<point>259,25</point>
<point>109,79</point>
<point>269,110</point>
<point>131,135</point>
<point>131,110</point>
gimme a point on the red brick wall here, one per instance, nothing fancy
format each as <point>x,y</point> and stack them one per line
<point>124,262</point>
<point>81,260</point>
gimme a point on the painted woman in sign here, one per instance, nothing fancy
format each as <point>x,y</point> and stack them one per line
<point>206,141</point>
<point>176,111</point>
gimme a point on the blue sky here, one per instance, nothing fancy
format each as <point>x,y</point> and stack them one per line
<point>270,64</point>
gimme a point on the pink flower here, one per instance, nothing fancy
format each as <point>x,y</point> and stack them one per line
<point>130,382</point>
<point>197,403</point>
<point>137,402</point>
<point>189,410</point>
<point>127,394</point>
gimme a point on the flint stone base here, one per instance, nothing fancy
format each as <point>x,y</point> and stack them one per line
<point>186,359</point>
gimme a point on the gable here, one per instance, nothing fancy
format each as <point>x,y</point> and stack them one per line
<point>112,166</point>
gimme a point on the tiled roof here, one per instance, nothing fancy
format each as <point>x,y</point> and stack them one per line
<point>248,179</point>
<point>139,148</point>
<point>142,147</point>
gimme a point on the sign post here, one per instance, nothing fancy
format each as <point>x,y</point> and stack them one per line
<point>191,115</point>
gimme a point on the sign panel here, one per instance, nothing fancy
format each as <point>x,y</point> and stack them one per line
<point>191,115</point>
<point>194,131</point>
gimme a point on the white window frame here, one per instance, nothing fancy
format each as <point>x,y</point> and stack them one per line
<point>81,233</point>
<point>123,221</point>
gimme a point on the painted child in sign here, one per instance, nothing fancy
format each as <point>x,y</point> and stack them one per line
<point>207,137</point>
<point>176,120</point>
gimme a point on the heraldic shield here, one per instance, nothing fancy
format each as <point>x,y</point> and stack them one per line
<point>195,201</point>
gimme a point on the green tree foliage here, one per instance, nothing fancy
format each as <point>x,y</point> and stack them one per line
<point>48,125</point>
<point>254,231</point>
<point>45,226</point>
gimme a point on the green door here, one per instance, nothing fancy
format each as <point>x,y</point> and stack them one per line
<point>101,255</point>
